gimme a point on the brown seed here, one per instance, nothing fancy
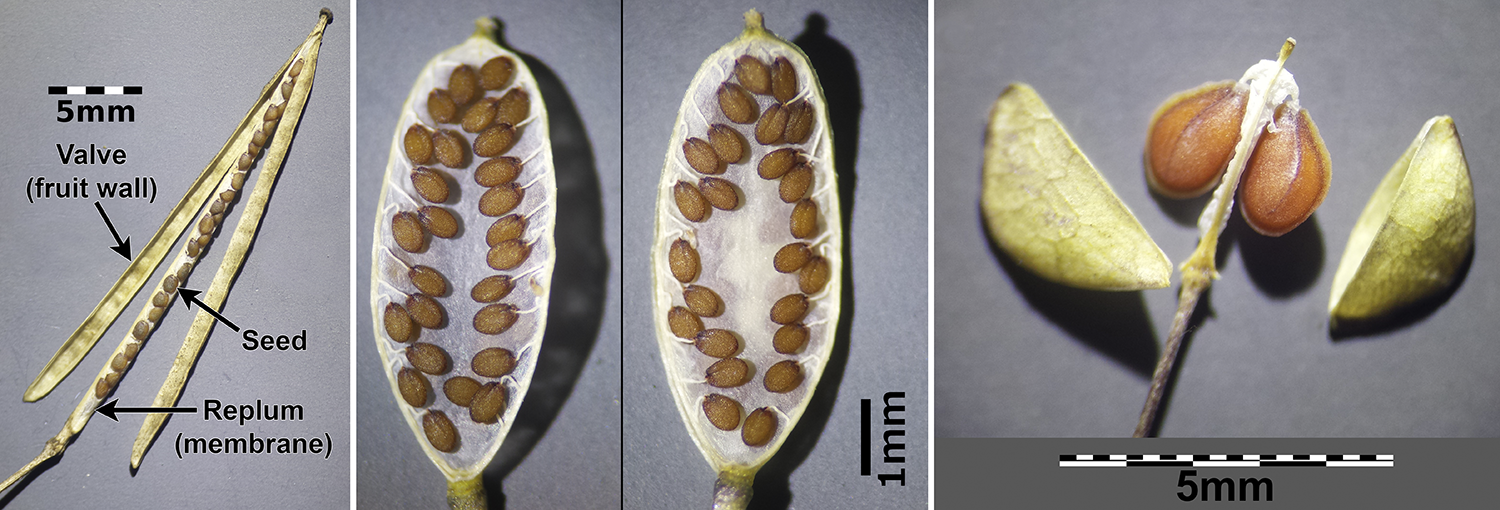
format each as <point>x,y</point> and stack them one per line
<point>296,68</point>
<point>217,207</point>
<point>398,323</point>
<point>737,104</point>
<point>183,271</point>
<point>245,160</point>
<point>448,145</point>
<point>269,127</point>
<point>813,276</point>
<point>112,379</point>
<point>494,361</point>
<point>438,221</point>
<point>408,231</point>
<point>772,125</point>
<point>703,301</point>
<point>101,388</point>
<point>488,403</point>
<point>495,141</point>
<point>440,432</point>
<point>719,193</point>
<point>193,249</point>
<point>273,112</point>
<point>728,144</point>
<point>492,288</point>
<point>790,339</point>
<point>501,199</point>
<point>131,349</point>
<point>463,84</point>
<point>718,343</point>
<point>428,280</point>
<point>723,412</point>
<point>508,227</point>
<point>1287,176</point>
<point>493,320</point>
<point>428,358</point>
<point>496,73</point>
<point>155,314</point>
<point>286,89</point>
<point>792,257</point>
<point>260,138</point>
<point>160,299</point>
<point>414,387</point>
<point>777,163</point>
<point>418,142</point>
<point>754,75</point>
<point>684,261</point>
<point>169,284</point>
<point>118,363</point>
<point>424,310</point>
<point>460,390</point>
<point>690,202</point>
<point>783,80</point>
<point>508,254</point>
<point>760,426</point>
<point>227,196</point>
<point>514,107</point>
<point>799,122</point>
<point>206,224</point>
<point>496,171</point>
<point>441,107</point>
<point>1192,137</point>
<point>430,184</point>
<point>728,373</point>
<point>701,156</point>
<point>790,308</point>
<point>795,183</point>
<point>804,219</point>
<point>480,115</point>
<point>784,376</point>
<point>204,239</point>
<point>684,323</point>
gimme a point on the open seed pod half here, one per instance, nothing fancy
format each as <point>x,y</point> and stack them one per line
<point>463,254</point>
<point>747,256</point>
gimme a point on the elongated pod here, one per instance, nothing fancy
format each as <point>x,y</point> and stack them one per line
<point>746,258</point>
<point>463,254</point>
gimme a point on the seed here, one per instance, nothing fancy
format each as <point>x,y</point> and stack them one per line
<point>496,73</point>
<point>441,107</point>
<point>804,219</point>
<point>118,363</point>
<point>1287,176</point>
<point>795,183</point>
<point>131,349</point>
<point>217,207</point>
<point>515,106</point>
<point>777,163</point>
<point>269,127</point>
<point>792,257</point>
<point>703,301</point>
<point>492,288</point>
<point>204,239</point>
<point>501,199</point>
<point>496,171</point>
<point>759,427</point>
<point>408,231</point>
<point>227,196</point>
<point>790,339</point>
<point>719,193</point>
<point>701,156</point>
<point>495,141</point>
<point>440,432</point>
<point>506,228</point>
<point>244,162</point>
<point>286,89</point>
<point>479,116</point>
<point>718,343</point>
<point>430,185</point>
<point>101,388</point>
<point>169,284</point>
<point>508,254</point>
<point>790,308</point>
<point>493,320</point>
<point>783,80</point>
<point>771,126</point>
<point>183,271</point>
<point>414,387</point>
<point>754,75</point>
<point>799,122</point>
<point>159,300</point>
<point>155,314</point>
<point>428,358</point>
<point>737,104</point>
<point>428,280</point>
<point>398,323</point>
<point>463,84</point>
<point>206,224</point>
<point>237,180</point>
<point>814,276</point>
<point>1192,138</point>
<point>784,376</point>
<point>723,412</point>
<point>424,310</point>
<point>192,249</point>
<point>448,145</point>
<point>728,144</point>
<point>296,68</point>
<point>684,323</point>
<point>272,113</point>
<point>460,390</point>
<point>439,221</point>
<point>259,139</point>
<point>418,142</point>
<point>728,373</point>
<point>494,361</point>
<point>487,403</point>
<point>684,261</point>
<point>690,202</point>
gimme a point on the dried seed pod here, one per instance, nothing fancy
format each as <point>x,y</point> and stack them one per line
<point>428,358</point>
<point>737,104</point>
<point>790,339</point>
<point>493,320</point>
<point>690,202</point>
<point>753,74</point>
<point>777,163</point>
<point>701,156</point>
<point>504,229</point>
<point>448,146</point>
<point>813,276</point>
<point>728,144</point>
<point>487,403</point>
<point>496,171</point>
<point>720,193</point>
<point>496,72</point>
<point>428,280</point>
<point>723,412</point>
<point>804,219</point>
<point>463,84</point>
<point>398,324</point>
<point>1287,175</point>
<point>494,361</point>
<point>759,427</point>
<point>1191,138</point>
<point>430,185</point>
<point>799,122</point>
<point>702,301</point>
<point>491,289</point>
<point>684,261</point>
<point>418,144</point>
<point>501,199</point>
<point>495,141</point>
<point>438,221</point>
<point>783,377</point>
<point>513,107</point>
<point>480,115</point>
<point>718,343</point>
<point>460,390</point>
<point>508,255</point>
<point>414,387</point>
<point>728,373</point>
<point>783,80</point>
<point>424,311</point>
<point>439,431</point>
<point>790,308</point>
<point>771,127</point>
<point>441,107</point>
<point>794,184</point>
<point>791,257</point>
<point>684,323</point>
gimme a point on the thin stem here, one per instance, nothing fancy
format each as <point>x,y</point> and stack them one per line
<point>1186,302</point>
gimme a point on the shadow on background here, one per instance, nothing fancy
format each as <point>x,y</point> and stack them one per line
<point>1406,316</point>
<point>1183,211</point>
<point>1284,266</point>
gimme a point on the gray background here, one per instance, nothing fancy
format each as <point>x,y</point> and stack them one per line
<point>872,65</point>
<point>201,68</point>
<point>564,451</point>
<point>1017,356</point>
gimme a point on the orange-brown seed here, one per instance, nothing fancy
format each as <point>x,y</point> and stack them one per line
<point>448,146</point>
<point>777,163</point>
<point>514,107</point>
<point>759,427</point>
<point>418,142</point>
<point>804,221</point>
<point>424,311</point>
<point>720,193</point>
<point>508,255</point>
<point>684,261</point>
<point>718,343</point>
<point>494,362</point>
<point>813,276</point>
<point>118,363</point>
<point>790,339</point>
<point>496,171</point>
<point>799,122</point>
<point>441,107</point>
<point>683,323</point>
<point>460,390</point>
<point>439,431</point>
<point>690,202</point>
<point>794,184</point>
<point>407,228</point>
<point>430,184</point>
<point>487,403</point>
<point>791,257</point>
<point>782,377</point>
<point>1287,175</point>
<point>496,73</point>
<point>702,301</point>
<point>737,104</point>
<point>790,308</point>
<point>727,373</point>
<point>772,125</point>
<point>1192,138</point>
<point>495,141</point>
<point>438,221</point>
<point>493,320</point>
<point>722,412</point>
<point>414,387</point>
<point>501,199</point>
<point>783,80</point>
<point>428,358</point>
<point>728,144</point>
<point>398,324</point>
<point>753,74</point>
<point>428,280</point>
<point>504,229</point>
<point>463,84</point>
<point>701,156</point>
<point>479,115</point>
<point>492,288</point>
<point>131,349</point>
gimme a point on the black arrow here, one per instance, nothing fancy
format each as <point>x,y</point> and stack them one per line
<point>189,297</point>
<point>109,410</point>
<point>120,247</point>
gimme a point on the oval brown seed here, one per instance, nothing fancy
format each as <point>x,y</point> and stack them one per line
<point>1192,137</point>
<point>101,388</point>
<point>487,403</point>
<point>183,271</point>
<point>428,358</point>
<point>683,323</point>
<point>418,142</point>
<point>493,320</point>
<point>504,229</point>
<point>792,257</point>
<point>799,122</point>
<point>206,224</point>
<point>244,162</point>
<point>783,80</point>
<point>118,363</point>
<point>496,171</point>
<point>754,75</point>
<point>494,362</point>
<point>804,219</point>
<point>1287,175</point>
<point>727,373</point>
<point>193,249</point>
<point>495,141</point>
<point>398,323</point>
<point>460,390</point>
<point>777,163</point>
<point>441,107</point>
<point>155,314</point>
<point>131,349</point>
<point>728,144</point>
<point>408,231</point>
<point>492,288</point>
<point>795,183</point>
<point>160,299</point>
<point>782,377</point>
<point>690,202</point>
<point>703,301</point>
<point>790,339</point>
<point>428,280</point>
<point>496,73</point>
<point>790,308</point>
<point>480,115</point>
<point>424,311</point>
<point>514,107</point>
<point>273,112</point>
<point>169,284</point>
<point>507,255</point>
<point>463,84</point>
<point>759,427</point>
<point>296,68</point>
<point>720,193</point>
<point>501,199</point>
<point>440,432</point>
<point>286,89</point>
<point>718,343</point>
<point>737,104</point>
<point>448,146</point>
<point>217,207</point>
<point>438,221</point>
<point>701,156</point>
<point>430,185</point>
<point>771,126</point>
<point>414,387</point>
<point>723,412</point>
<point>813,276</point>
<point>684,261</point>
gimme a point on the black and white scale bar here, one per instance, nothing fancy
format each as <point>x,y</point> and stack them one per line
<point>94,90</point>
<point>1227,460</point>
